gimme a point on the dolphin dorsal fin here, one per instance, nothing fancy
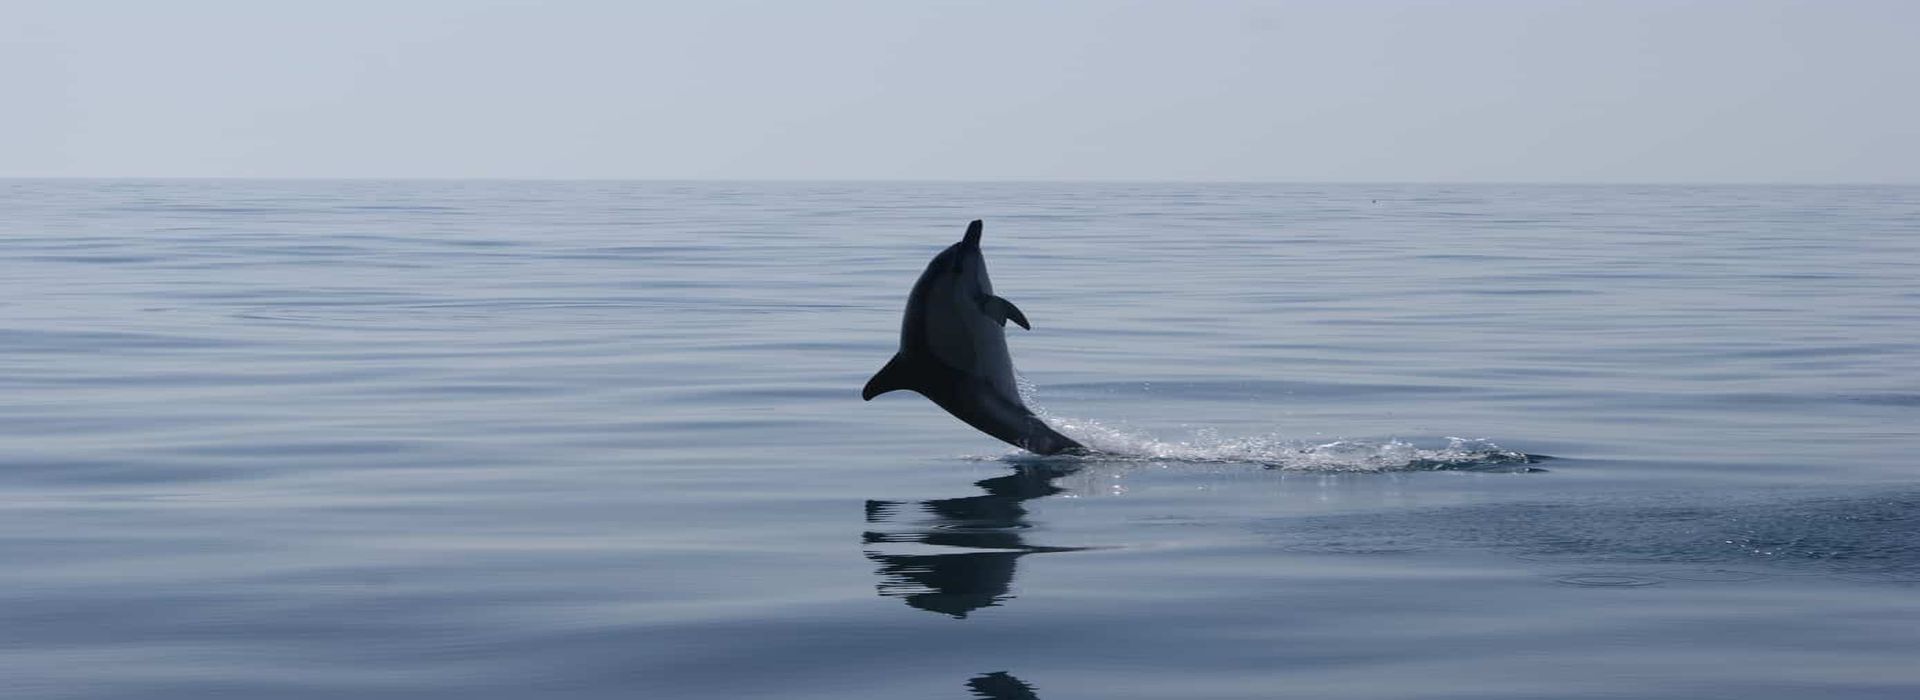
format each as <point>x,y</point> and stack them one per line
<point>901,372</point>
<point>1000,310</point>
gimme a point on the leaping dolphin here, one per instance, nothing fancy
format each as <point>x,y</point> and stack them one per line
<point>953,350</point>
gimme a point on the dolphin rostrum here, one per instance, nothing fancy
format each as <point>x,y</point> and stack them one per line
<point>953,350</point>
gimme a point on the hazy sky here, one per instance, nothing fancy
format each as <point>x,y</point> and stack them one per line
<point>1661,91</point>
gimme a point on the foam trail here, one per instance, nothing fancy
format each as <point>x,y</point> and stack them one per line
<point>1276,452</point>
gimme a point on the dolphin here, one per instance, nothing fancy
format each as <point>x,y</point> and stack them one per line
<point>953,350</point>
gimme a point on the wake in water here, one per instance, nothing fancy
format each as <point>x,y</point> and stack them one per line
<point>1111,444</point>
<point>1273,452</point>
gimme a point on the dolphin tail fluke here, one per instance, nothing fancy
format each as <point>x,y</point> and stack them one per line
<point>901,372</point>
<point>1042,439</point>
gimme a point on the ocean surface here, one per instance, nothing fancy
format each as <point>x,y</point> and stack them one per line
<point>357,439</point>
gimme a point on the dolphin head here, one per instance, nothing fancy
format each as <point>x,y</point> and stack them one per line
<point>963,262</point>
<point>972,239</point>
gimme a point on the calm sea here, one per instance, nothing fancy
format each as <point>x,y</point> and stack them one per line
<point>353,439</point>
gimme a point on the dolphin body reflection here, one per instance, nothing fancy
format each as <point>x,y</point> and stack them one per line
<point>981,535</point>
<point>953,350</point>
<point>1000,685</point>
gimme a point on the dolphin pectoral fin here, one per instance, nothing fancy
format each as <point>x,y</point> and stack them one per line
<point>901,372</point>
<point>1000,310</point>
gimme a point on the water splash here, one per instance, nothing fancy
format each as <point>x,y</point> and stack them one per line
<point>1276,452</point>
<point>1208,446</point>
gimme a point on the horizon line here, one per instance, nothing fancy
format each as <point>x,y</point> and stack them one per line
<point>971,181</point>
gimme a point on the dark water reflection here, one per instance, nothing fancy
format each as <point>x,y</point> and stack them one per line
<point>991,524</point>
<point>1000,685</point>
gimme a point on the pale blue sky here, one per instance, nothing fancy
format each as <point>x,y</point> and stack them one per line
<point>1667,91</point>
